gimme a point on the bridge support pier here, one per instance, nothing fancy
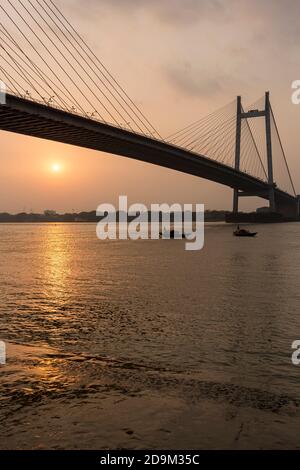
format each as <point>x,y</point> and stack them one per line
<point>266,113</point>
<point>269,153</point>
<point>237,150</point>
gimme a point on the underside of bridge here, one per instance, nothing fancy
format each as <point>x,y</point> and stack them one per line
<point>26,117</point>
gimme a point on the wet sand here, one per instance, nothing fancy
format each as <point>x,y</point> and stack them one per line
<point>128,406</point>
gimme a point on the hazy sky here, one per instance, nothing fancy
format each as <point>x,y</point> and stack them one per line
<point>179,60</point>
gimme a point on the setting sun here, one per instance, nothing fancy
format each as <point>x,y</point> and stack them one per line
<point>56,168</point>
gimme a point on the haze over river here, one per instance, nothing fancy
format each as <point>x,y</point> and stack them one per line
<point>141,344</point>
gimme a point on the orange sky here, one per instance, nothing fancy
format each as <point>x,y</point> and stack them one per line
<point>179,60</point>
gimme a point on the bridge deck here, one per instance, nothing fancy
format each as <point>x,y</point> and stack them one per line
<point>23,116</point>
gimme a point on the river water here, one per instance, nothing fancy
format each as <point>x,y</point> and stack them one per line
<point>141,344</point>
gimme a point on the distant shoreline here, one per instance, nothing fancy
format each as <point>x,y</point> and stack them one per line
<point>90,217</point>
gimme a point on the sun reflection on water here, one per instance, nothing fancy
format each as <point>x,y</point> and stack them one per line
<point>57,255</point>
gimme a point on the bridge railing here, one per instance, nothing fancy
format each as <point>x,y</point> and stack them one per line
<point>75,112</point>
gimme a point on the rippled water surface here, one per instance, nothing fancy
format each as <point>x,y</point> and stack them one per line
<point>123,344</point>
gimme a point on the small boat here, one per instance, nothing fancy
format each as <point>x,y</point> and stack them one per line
<point>242,232</point>
<point>172,234</point>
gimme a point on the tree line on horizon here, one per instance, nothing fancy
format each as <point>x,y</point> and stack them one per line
<point>53,216</point>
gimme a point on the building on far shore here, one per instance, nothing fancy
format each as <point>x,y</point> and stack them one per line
<point>262,210</point>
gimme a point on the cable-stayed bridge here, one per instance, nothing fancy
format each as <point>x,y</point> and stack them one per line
<point>58,89</point>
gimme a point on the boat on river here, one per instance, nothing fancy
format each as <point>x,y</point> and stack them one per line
<point>242,232</point>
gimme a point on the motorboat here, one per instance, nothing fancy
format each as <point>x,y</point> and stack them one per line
<point>172,234</point>
<point>242,232</point>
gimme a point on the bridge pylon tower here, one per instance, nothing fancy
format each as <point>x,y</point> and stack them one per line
<point>240,115</point>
